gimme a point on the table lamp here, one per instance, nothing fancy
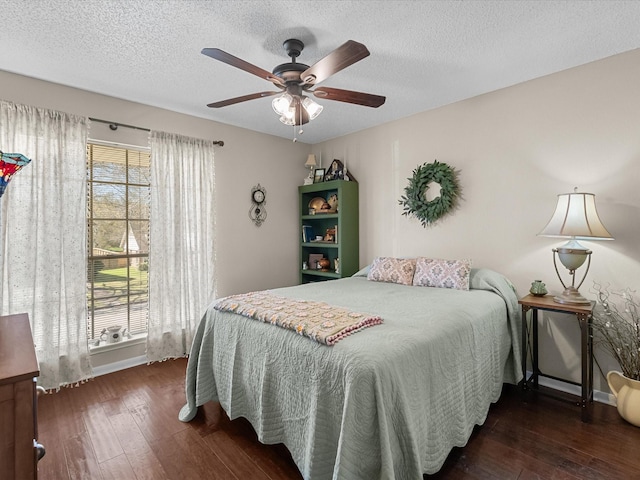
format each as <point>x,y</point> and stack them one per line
<point>575,218</point>
<point>311,163</point>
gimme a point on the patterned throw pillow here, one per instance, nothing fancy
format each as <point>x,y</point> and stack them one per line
<point>442,273</point>
<point>392,270</point>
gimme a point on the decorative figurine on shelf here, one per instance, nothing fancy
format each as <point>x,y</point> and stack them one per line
<point>333,202</point>
<point>324,264</point>
<point>348,176</point>
<point>336,264</point>
<point>330,235</point>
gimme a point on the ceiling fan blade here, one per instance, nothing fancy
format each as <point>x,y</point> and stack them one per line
<point>343,56</point>
<point>229,59</point>
<point>348,96</point>
<point>244,98</point>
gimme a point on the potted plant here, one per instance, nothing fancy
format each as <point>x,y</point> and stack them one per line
<point>616,320</point>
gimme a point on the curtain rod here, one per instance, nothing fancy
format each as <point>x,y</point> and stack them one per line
<point>114,126</point>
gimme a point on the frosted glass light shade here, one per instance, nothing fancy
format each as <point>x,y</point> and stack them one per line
<point>312,108</point>
<point>289,117</point>
<point>295,107</point>
<point>282,103</point>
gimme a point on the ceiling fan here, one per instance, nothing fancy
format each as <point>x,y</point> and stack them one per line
<point>295,79</point>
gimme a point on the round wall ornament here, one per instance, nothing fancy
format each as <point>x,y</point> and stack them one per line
<point>415,202</point>
<point>257,212</point>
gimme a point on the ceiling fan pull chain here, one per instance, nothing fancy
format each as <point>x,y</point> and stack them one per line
<point>301,131</point>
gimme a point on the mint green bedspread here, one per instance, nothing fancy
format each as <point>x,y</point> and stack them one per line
<point>388,402</point>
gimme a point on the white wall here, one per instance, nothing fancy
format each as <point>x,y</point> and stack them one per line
<point>248,257</point>
<point>515,150</point>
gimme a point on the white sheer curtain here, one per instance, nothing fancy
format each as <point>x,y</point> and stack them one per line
<point>43,254</point>
<point>181,243</point>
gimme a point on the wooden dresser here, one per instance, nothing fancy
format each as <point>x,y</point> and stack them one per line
<point>18,402</point>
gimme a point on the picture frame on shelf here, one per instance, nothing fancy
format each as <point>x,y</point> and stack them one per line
<point>314,258</point>
<point>338,171</point>
<point>335,172</point>
<point>318,175</point>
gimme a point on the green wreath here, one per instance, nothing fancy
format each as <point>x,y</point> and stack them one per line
<point>414,200</point>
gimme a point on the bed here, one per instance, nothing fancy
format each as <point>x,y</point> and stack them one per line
<point>387,402</point>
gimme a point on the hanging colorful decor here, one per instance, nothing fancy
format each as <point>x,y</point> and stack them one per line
<point>414,201</point>
<point>10,164</point>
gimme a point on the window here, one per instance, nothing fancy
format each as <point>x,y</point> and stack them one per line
<point>118,237</point>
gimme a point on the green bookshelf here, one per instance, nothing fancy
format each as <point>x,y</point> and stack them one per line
<point>345,244</point>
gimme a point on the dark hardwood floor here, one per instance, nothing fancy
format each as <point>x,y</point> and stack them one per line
<point>125,426</point>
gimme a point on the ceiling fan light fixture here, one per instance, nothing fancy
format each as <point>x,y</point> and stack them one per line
<point>313,109</point>
<point>294,79</point>
<point>282,104</point>
<point>289,116</point>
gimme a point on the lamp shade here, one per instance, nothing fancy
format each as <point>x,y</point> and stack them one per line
<point>311,161</point>
<point>576,216</point>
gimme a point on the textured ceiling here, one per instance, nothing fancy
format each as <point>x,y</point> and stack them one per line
<point>424,54</point>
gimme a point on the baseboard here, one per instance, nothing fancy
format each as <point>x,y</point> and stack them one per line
<point>119,365</point>
<point>598,396</point>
